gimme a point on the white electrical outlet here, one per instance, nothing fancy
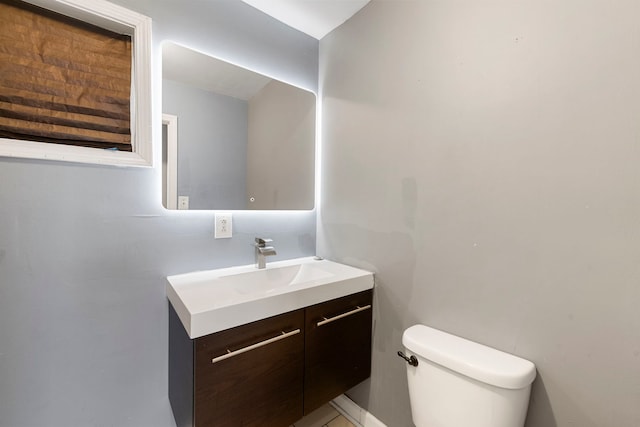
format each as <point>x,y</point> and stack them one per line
<point>224,226</point>
<point>183,202</point>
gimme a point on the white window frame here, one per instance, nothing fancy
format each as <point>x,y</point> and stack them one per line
<point>119,19</point>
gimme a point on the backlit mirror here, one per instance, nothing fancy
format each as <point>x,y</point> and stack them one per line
<point>234,139</point>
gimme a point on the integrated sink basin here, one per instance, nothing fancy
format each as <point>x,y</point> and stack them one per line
<point>274,279</point>
<point>214,300</point>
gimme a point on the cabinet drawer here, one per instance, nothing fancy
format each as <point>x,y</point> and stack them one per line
<point>251,375</point>
<point>338,347</point>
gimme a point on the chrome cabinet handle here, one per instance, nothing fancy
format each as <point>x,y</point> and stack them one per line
<point>358,309</point>
<point>230,353</point>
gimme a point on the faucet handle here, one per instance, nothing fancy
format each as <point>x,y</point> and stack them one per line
<point>260,242</point>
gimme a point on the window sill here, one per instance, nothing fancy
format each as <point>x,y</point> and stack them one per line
<point>66,153</point>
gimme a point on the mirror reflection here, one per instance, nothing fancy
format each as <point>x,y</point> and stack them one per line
<point>234,139</point>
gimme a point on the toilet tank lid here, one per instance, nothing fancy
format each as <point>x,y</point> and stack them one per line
<point>469,358</point>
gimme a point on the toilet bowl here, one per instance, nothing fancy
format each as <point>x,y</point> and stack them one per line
<point>459,383</point>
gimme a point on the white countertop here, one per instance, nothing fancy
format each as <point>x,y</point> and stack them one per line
<point>215,300</point>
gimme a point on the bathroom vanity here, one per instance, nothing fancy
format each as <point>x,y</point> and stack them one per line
<point>310,343</point>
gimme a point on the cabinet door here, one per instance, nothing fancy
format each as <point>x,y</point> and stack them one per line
<point>251,375</point>
<point>337,347</point>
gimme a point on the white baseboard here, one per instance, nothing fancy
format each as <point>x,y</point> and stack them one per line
<point>355,414</point>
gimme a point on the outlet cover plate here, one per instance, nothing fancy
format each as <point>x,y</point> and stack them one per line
<point>183,202</point>
<point>224,226</point>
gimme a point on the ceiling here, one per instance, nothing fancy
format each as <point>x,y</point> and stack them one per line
<point>316,18</point>
<point>220,77</point>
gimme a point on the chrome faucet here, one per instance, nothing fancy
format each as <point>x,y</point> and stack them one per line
<point>263,251</point>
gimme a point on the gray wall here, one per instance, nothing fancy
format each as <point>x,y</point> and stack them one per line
<point>212,145</point>
<point>84,249</point>
<point>281,148</point>
<point>483,159</point>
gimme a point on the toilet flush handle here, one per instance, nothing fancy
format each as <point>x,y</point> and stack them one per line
<point>413,361</point>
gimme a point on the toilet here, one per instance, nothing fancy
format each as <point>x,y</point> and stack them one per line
<point>459,383</point>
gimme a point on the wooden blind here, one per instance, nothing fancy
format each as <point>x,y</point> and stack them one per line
<point>61,80</point>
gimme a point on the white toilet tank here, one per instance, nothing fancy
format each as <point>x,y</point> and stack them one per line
<point>460,383</point>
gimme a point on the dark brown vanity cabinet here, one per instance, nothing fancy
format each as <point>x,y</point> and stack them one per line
<point>273,371</point>
<point>337,347</point>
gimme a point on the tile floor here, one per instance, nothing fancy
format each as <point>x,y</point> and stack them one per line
<point>326,416</point>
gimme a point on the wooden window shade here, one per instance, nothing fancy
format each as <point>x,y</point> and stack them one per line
<point>63,81</point>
